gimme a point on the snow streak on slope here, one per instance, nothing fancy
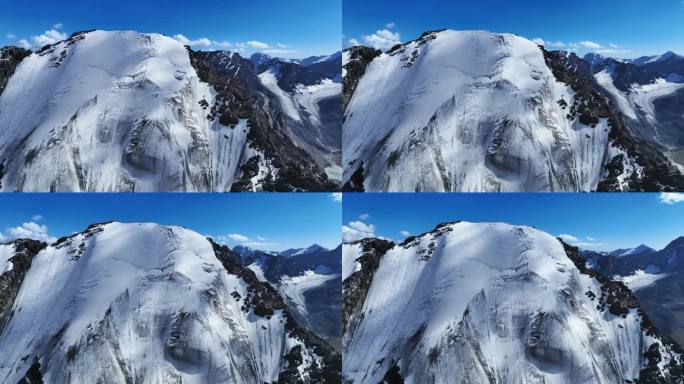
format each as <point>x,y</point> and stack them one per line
<point>114,111</point>
<point>6,251</point>
<point>142,303</point>
<point>491,303</point>
<point>468,111</point>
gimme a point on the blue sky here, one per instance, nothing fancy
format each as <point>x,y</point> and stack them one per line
<point>262,220</point>
<point>293,28</point>
<point>600,221</point>
<point>618,28</point>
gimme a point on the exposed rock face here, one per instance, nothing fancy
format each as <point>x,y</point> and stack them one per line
<point>499,304</point>
<point>354,63</point>
<point>148,303</point>
<point>17,257</point>
<point>479,111</point>
<point>126,111</point>
<point>10,57</point>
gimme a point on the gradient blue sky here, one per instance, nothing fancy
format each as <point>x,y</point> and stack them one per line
<point>600,221</point>
<point>623,28</point>
<point>293,28</point>
<point>274,221</point>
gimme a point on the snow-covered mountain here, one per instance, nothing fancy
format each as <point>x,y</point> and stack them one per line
<point>481,111</point>
<point>313,248</point>
<point>639,250</point>
<point>148,303</point>
<point>649,94</point>
<point>127,111</point>
<point>309,279</point>
<point>309,92</point>
<point>492,303</point>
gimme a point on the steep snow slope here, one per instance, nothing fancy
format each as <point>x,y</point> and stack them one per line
<point>495,303</point>
<point>155,304</point>
<point>114,111</point>
<point>471,111</point>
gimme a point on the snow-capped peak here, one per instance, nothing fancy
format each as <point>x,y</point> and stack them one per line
<point>480,301</point>
<point>155,303</point>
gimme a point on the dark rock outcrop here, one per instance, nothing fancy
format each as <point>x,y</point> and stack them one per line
<point>10,282</point>
<point>10,57</point>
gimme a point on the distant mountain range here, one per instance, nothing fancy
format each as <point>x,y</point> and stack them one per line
<point>656,277</point>
<point>128,111</point>
<point>310,281</point>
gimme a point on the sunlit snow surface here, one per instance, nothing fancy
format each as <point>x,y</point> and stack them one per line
<point>139,303</point>
<point>114,111</point>
<point>468,111</point>
<point>488,301</point>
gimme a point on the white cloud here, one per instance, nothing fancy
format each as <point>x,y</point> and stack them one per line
<point>390,25</point>
<point>58,26</point>
<point>37,217</point>
<point>258,244</point>
<point>25,44</point>
<point>568,238</point>
<point>261,238</point>
<point>354,42</point>
<point>357,230</point>
<point>610,51</point>
<point>383,39</point>
<point>539,41</point>
<point>222,44</point>
<point>364,216</point>
<point>201,42</point>
<point>48,37</point>
<point>283,46</point>
<point>30,230</point>
<point>279,52</point>
<point>237,237</point>
<point>587,243</point>
<point>336,196</point>
<point>670,198</point>
<point>258,44</point>
<point>615,46</point>
<point>589,44</point>
<point>10,35</point>
<point>405,233</point>
<point>558,44</point>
